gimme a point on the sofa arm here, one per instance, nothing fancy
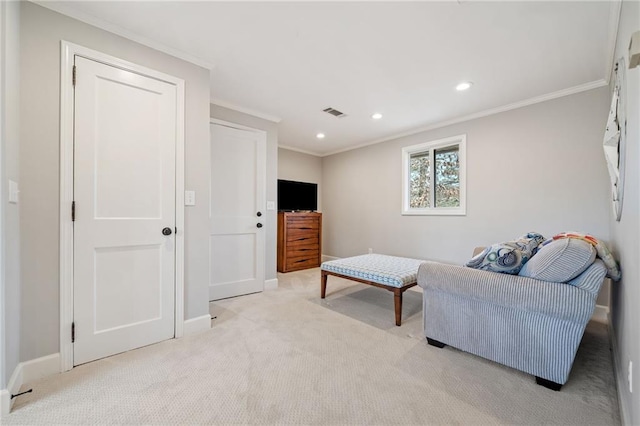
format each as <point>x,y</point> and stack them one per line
<point>562,301</point>
<point>592,278</point>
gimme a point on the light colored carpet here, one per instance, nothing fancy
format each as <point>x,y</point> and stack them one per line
<point>288,357</point>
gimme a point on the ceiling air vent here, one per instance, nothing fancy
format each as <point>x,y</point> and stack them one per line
<point>334,112</point>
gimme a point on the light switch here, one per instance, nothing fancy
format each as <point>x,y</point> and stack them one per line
<point>189,198</point>
<point>271,205</point>
<point>13,192</point>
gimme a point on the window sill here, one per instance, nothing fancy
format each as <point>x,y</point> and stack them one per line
<point>434,212</point>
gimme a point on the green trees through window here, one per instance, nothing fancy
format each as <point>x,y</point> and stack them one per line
<point>420,176</point>
<point>447,177</point>
<point>434,174</point>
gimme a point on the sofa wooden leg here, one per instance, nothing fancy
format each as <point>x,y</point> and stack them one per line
<point>434,342</point>
<point>548,384</point>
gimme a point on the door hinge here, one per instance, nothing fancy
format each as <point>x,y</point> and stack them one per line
<point>73,332</point>
<point>73,77</point>
<point>73,211</point>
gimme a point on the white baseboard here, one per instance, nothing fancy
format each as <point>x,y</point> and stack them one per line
<point>13,387</point>
<point>326,258</point>
<point>40,367</point>
<point>5,403</point>
<point>197,325</point>
<point>271,284</point>
<point>26,372</point>
<point>620,376</point>
<point>601,314</point>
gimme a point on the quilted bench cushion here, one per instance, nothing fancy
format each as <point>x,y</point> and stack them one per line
<point>391,271</point>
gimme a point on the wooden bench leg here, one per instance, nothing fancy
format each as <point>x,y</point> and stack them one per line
<point>397,291</point>
<point>397,298</point>
<point>323,284</point>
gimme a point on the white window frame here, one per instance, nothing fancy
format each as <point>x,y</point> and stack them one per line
<point>461,142</point>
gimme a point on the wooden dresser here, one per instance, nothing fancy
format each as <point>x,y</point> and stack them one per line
<point>299,241</point>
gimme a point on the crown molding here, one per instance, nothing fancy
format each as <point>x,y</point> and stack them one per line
<point>118,30</point>
<point>259,114</point>
<point>531,101</point>
<point>302,151</point>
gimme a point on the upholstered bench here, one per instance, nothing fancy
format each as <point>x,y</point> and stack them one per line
<point>396,274</point>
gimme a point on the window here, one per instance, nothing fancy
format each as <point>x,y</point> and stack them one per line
<point>433,177</point>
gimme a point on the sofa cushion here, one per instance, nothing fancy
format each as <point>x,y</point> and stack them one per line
<point>560,261</point>
<point>508,257</point>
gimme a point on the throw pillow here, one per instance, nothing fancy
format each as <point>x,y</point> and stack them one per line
<point>508,257</point>
<point>532,242</point>
<point>560,261</point>
<point>613,271</point>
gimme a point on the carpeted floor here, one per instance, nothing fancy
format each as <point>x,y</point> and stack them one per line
<point>288,357</point>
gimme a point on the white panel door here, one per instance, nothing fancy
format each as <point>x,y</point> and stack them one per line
<point>124,191</point>
<point>238,165</point>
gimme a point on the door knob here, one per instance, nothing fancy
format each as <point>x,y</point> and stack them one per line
<point>259,214</point>
<point>259,225</point>
<point>166,231</point>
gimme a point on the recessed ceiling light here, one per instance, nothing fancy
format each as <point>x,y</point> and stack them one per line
<point>463,86</point>
<point>376,116</point>
<point>320,136</point>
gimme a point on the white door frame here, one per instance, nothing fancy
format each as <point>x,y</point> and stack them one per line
<point>263,201</point>
<point>67,54</point>
<point>3,67</point>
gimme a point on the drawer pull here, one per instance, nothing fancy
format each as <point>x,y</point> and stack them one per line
<point>303,260</point>
<point>302,239</point>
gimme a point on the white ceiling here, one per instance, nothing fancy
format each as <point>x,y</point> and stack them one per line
<point>290,60</point>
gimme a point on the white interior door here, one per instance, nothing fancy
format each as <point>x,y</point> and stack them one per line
<point>238,165</point>
<point>125,194</point>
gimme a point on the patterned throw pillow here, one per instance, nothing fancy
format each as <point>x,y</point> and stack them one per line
<point>508,257</point>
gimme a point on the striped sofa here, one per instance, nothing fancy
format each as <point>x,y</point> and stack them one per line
<point>531,325</point>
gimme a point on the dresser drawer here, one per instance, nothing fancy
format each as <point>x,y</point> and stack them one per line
<point>305,245</point>
<point>302,251</point>
<point>311,224</point>
<point>302,263</point>
<point>303,237</point>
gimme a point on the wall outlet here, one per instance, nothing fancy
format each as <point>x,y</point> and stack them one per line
<point>271,205</point>
<point>630,376</point>
<point>189,198</point>
<point>370,250</point>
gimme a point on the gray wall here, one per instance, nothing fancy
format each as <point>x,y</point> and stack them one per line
<point>10,265</point>
<point>625,234</point>
<point>271,128</point>
<point>293,165</point>
<point>41,32</point>
<point>538,168</point>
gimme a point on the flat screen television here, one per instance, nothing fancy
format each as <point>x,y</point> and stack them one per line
<point>294,196</point>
